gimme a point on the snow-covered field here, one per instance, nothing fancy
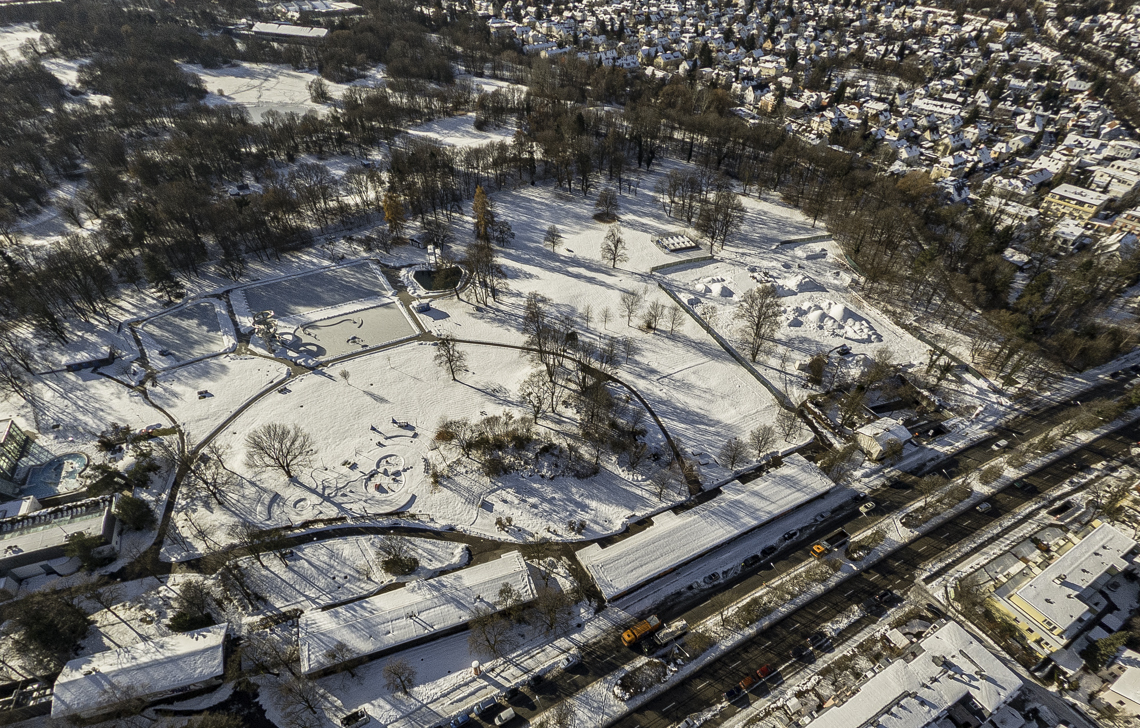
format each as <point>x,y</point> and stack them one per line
<point>460,131</point>
<point>369,466</point>
<point>185,334</point>
<point>263,87</point>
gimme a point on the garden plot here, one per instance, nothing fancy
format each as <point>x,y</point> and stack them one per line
<point>201,395</point>
<point>187,333</point>
<point>373,425</point>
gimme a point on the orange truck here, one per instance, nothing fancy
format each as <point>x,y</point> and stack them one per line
<point>640,631</point>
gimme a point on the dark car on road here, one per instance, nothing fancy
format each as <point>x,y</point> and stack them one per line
<point>764,672</point>
<point>734,693</point>
<point>791,535</point>
<point>751,561</point>
<point>935,611</point>
<point>769,550</point>
<point>802,653</point>
<point>1024,486</point>
<point>887,598</point>
<point>818,640</point>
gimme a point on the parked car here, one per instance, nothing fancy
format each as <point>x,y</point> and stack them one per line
<point>764,672</point>
<point>749,682</point>
<point>572,658</point>
<point>821,517</point>
<point>460,720</point>
<point>935,611</point>
<point>791,535</point>
<point>1024,486</point>
<point>867,507</point>
<point>734,693</point>
<point>751,561</point>
<point>886,596</point>
<point>483,706</point>
<point>769,550</point>
<point>1000,445</point>
<point>505,717</point>
<point>354,719</point>
<point>982,507</point>
<point>818,639</point>
<point>799,652</point>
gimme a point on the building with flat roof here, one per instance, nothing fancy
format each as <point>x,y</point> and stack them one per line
<point>149,671</point>
<point>13,445</point>
<point>946,679</point>
<point>1055,605</point>
<point>32,542</point>
<point>1075,202</point>
<point>284,33</point>
<point>675,539</point>
<point>877,438</point>
<point>420,611</point>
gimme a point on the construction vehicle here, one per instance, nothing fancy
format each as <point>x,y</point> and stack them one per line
<point>640,631</point>
<point>835,541</point>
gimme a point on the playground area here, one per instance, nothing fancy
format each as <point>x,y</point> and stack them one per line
<point>56,476</point>
<point>187,333</point>
<point>344,334</point>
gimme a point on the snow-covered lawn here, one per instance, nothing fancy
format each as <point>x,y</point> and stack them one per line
<point>227,381</point>
<point>190,332</point>
<point>263,87</point>
<point>367,465</point>
<point>460,131</point>
<point>702,395</point>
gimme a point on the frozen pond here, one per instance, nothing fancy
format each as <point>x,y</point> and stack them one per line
<point>187,333</point>
<point>314,291</point>
<point>338,335</point>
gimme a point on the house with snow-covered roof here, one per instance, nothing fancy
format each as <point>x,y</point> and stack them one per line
<point>876,438</point>
<point>150,671</point>
<point>947,678</point>
<point>416,613</point>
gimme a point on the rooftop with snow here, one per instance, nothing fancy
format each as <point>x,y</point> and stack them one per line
<point>675,539</point>
<point>421,610</point>
<point>947,672</point>
<point>150,669</point>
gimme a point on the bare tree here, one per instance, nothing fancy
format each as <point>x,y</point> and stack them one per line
<point>553,238</point>
<point>300,700</point>
<point>675,318</point>
<point>788,424</point>
<point>491,634</point>
<point>613,247</point>
<point>399,675</point>
<point>762,439</point>
<point>732,452</point>
<point>607,205</point>
<point>653,315</point>
<point>281,447</point>
<point>448,355</point>
<point>537,391</point>
<point>553,607</point>
<point>605,316</point>
<point>630,303</point>
<point>665,481</point>
<point>340,654</point>
<point>396,555</point>
<point>758,316</point>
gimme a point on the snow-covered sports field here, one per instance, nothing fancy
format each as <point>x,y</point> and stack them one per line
<point>187,333</point>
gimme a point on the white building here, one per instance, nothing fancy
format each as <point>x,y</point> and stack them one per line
<point>149,671</point>
<point>875,438</point>
<point>676,539</point>
<point>1124,692</point>
<point>948,676</point>
<point>421,611</point>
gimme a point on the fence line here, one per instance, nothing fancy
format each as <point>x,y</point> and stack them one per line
<point>782,399</point>
<point>676,263</point>
<point>809,239</point>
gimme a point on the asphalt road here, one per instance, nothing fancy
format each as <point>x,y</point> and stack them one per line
<point>774,645</point>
